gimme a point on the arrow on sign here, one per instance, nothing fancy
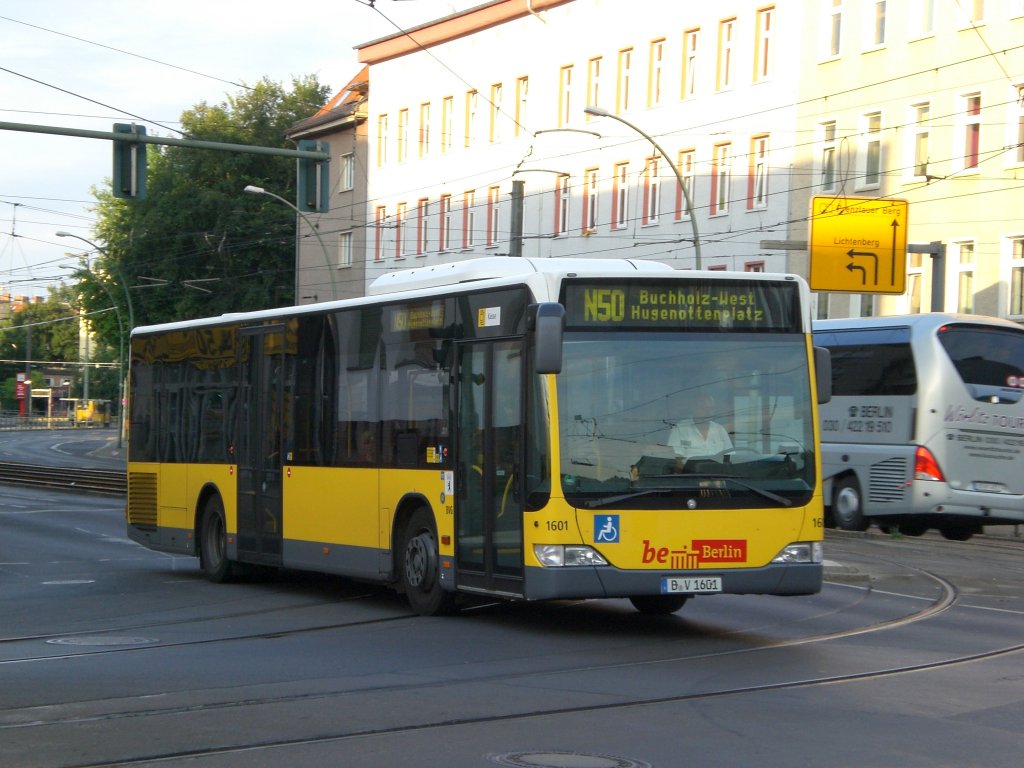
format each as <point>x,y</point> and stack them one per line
<point>852,254</point>
<point>863,272</point>
<point>892,255</point>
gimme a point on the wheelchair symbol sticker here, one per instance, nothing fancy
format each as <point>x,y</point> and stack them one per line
<point>606,529</point>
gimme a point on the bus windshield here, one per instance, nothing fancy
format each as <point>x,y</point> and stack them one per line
<point>666,420</point>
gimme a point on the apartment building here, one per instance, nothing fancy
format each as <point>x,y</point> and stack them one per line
<point>921,100</point>
<point>330,247</point>
<point>465,106</point>
<point>716,124</point>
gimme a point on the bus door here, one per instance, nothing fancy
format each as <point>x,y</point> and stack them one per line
<point>258,452</point>
<point>490,444</point>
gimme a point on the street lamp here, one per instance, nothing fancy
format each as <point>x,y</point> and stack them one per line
<point>600,112</point>
<point>254,190</point>
<point>120,332</point>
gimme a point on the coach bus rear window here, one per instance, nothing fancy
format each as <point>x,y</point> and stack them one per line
<point>984,355</point>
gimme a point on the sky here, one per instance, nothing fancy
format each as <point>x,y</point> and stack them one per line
<point>83,65</point>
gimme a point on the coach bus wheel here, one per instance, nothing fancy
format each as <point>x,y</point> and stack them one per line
<point>847,506</point>
<point>418,567</point>
<point>959,532</point>
<point>658,605</point>
<point>213,542</point>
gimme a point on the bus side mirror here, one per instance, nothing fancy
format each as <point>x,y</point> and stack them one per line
<point>547,337</point>
<point>823,373</point>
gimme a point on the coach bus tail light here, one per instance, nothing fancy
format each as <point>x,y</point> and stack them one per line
<point>561,555</point>
<point>926,467</point>
<point>800,552</point>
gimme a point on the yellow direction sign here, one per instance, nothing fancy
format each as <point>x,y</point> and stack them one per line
<point>858,245</point>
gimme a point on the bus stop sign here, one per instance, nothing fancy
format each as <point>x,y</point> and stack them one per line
<point>858,245</point>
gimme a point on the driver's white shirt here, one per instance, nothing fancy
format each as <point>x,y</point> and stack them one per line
<point>686,440</point>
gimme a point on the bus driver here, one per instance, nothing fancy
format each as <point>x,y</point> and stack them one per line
<point>699,435</point>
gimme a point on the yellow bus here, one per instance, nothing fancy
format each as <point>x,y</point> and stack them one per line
<point>89,412</point>
<point>510,427</point>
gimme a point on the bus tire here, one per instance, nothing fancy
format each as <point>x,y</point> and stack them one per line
<point>418,566</point>
<point>213,542</point>
<point>959,532</point>
<point>658,605</point>
<point>848,505</point>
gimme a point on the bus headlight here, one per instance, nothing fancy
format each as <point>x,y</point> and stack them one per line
<point>562,555</point>
<point>800,552</point>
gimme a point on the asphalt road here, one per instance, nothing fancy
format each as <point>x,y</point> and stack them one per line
<point>111,654</point>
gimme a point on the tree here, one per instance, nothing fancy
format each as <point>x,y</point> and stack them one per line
<point>196,225</point>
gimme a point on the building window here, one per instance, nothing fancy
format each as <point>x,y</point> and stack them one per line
<point>401,231</point>
<point>915,274</point>
<point>444,230</point>
<point>965,278</point>
<point>344,249</point>
<point>757,180</point>
<point>828,156</point>
<point>689,79</point>
<point>447,122</point>
<point>656,72</point>
<point>833,27</point>
<point>1016,124</point>
<point>687,162</point>
<point>424,135</point>
<point>422,211</point>
<point>976,10</point>
<point>381,218</point>
<point>593,83</point>
<point>563,189</point>
<point>348,171</point>
<point>382,140</point>
<point>724,74</point>
<point>522,92</point>
<point>971,130</point>
<point>623,81</point>
<point>590,182</point>
<point>493,209</point>
<point>872,150</point>
<point>1016,308</point>
<point>753,266</point>
<point>764,46</point>
<point>920,129</point>
<point>620,196</point>
<point>472,101</point>
<point>721,169</point>
<point>495,132</point>
<point>565,96</point>
<point>403,135</point>
<point>874,33</point>
<point>923,18</point>
<point>652,197</point>
<point>468,219</point>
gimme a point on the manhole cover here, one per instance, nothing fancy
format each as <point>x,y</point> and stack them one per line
<point>565,760</point>
<point>102,640</point>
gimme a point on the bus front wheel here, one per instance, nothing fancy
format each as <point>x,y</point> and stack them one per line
<point>418,567</point>
<point>213,542</point>
<point>658,605</point>
<point>848,505</point>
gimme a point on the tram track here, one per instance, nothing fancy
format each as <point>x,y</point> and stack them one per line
<point>104,481</point>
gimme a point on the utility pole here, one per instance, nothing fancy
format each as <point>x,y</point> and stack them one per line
<point>515,241</point>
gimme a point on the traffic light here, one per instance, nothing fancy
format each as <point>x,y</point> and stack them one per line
<point>129,163</point>
<point>313,181</point>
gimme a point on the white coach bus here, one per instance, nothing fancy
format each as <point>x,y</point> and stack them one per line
<point>925,428</point>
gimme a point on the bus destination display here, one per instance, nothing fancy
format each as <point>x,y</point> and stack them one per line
<point>691,305</point>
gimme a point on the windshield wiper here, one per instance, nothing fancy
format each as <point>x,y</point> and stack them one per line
<point>780,500</point>
<point>595,503</point>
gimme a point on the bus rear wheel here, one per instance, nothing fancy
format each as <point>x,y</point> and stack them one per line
<point>419,572</point>
<point>848,505</point>
<point>213,542</point>
<point>658,605</point>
